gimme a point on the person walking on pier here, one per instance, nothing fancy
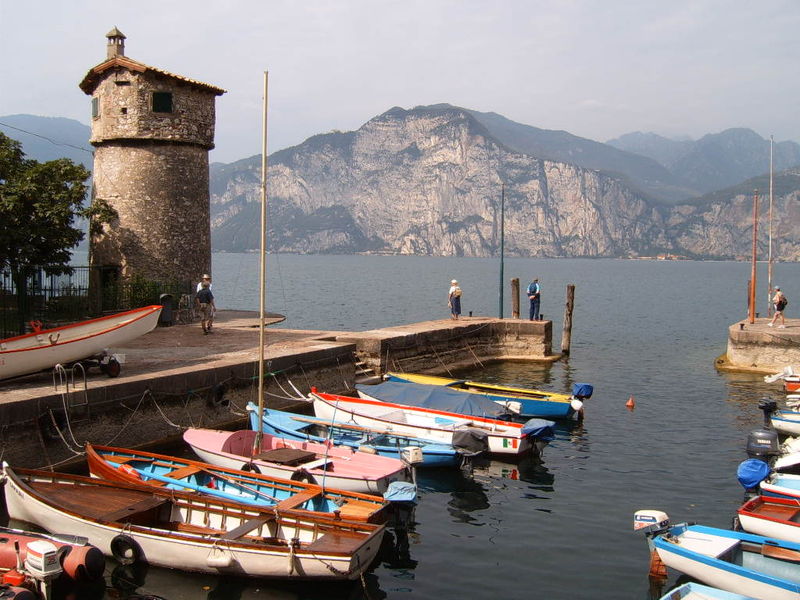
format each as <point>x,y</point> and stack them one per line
<point>454,299</point>
<point>207,278</point>
<point>205,302</point>
<point>534,293</point>
<point>780,302</point>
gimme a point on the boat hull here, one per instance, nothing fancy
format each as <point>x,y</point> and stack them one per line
<point>166,472</point>
<point>287,425</point>
<point>200,552</point>
<point>503,437</point>
<point>697,551</point>
<point>521,401</point>
<point>786,421</point>
<point>352,471</point>
<point>771,517</point>
<point>71,343</point>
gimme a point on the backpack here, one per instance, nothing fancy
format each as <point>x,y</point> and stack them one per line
<point>782,304</point>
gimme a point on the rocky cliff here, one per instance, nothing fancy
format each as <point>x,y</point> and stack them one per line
<point>429,181</point>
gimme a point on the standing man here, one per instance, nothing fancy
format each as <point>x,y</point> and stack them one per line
<point>205,302</point>
<point>533,295</point>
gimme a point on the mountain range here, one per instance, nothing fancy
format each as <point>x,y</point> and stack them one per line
<point>434,179</point>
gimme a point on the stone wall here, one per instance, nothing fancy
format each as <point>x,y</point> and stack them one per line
<point>125,110</point>
<point>427,349</point>
<point>160,192</point>
<point>754,347</point>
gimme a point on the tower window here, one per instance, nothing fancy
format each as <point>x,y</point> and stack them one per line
<point>95,107</point>
<point>162,102</point>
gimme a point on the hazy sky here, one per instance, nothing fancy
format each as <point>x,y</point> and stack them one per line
<point>596,68</point>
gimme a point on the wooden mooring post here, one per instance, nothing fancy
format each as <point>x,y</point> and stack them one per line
<point>566,336</point>
<point>515,297</point>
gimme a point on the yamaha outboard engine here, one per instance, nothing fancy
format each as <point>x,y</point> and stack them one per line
<point>762,448</point>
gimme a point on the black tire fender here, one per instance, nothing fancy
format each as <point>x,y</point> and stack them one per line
<point>250,468</point>
<point>126,550</point>
<point>303,476</point>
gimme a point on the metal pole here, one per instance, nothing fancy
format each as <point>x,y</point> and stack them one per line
<point>502,243</point>
<point>263,271</point>
<point>752,299</point>
<point>769,257</point>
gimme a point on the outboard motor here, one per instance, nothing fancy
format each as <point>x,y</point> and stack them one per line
<point>762,447</point>
<point>540,432</point>
<point>763,444</point>
<point>768,406</point>
<point>470,442</point>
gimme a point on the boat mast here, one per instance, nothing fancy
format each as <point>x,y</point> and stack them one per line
<point>263,272</point>
<point>769,256</point>
<point>502,241</point>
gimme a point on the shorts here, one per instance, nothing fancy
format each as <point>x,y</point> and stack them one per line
<point>205,311</point>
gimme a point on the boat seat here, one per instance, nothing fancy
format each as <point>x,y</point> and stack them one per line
<point>138,507</point>
<point>781,553</point>
<point>297,499</point>
<point>706,544</point>
<point>247,527</point>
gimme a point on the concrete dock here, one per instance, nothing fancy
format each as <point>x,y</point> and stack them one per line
<point>758,348</point>
<point>176,377</point>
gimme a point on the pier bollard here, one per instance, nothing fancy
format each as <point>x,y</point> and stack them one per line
<point>741,326</point>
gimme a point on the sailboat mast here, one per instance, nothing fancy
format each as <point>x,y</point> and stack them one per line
<point>502,242</point>
<point>262,268</point>
<point>769,258</point>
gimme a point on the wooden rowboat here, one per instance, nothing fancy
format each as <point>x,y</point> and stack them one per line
<point>179,530</point>
<point>45,348</point>
<point>321,464</point>
<point>173,473</point>
<point>698,591</point>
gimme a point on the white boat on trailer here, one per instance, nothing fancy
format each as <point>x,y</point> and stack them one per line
<point>44,348</point>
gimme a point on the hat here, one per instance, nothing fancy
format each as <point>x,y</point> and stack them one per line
<point>777,289</point>
<point>206,276</point>
<point>454,282</point>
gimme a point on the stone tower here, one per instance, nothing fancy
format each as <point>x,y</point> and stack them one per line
<point>152,131</point>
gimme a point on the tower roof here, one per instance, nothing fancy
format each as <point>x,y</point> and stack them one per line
<point>95,74</point>
<point>115,33</point>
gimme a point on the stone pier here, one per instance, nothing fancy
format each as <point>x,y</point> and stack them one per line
<point>176,377</point>
<point>759,348</point>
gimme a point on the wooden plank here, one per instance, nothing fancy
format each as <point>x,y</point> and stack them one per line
<point>182,472</point>
<point>781,553</point>
<point>132,509</point>
<point>338,542</point>
<point>246,527</point>
<point>297,499</point>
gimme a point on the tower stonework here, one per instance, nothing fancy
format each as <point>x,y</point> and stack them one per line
<point>152,131</point>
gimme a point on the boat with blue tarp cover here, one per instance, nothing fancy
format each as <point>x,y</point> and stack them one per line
<point>523,402</point>
<point>502,435</point>
<point>383,442</point>
<point>762,567</point>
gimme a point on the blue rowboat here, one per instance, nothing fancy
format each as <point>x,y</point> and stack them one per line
<point>252,489</point>
<point>301,427</point>
<point>698,591</point>
<point>521,402</point>
<point>738,562</point>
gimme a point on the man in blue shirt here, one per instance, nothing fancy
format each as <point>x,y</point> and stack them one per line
<point>533,295</point>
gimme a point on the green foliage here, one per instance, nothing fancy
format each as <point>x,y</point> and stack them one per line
<point>38,206</point>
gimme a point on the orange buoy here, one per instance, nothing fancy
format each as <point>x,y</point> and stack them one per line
<point>630,404</point>
<point>658,570</point>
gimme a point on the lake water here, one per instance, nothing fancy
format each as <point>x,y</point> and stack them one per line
<point>560,529</point>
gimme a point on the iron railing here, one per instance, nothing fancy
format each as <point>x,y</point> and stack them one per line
<point>83,293</point>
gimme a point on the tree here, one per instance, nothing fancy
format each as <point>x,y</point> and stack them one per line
<point>39,203</point>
